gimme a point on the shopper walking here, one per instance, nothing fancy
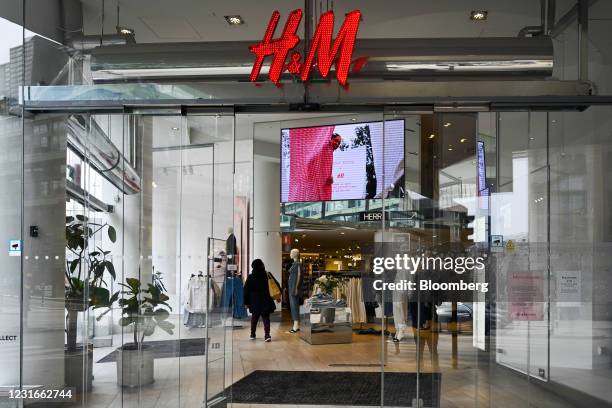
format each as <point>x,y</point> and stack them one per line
<point>257,298</point>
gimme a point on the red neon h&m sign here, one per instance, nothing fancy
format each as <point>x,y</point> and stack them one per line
<point>326,49</point>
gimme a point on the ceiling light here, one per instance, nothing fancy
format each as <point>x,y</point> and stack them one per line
<point>432,136</point>
<point>175,128</point>
<point>447,124</point>
<point>450,149</point>
<point>125,30</point>
<point>354,119</point>
<point>342,233</point>
<point>318,245</point>
<point>479,15</point>
<point>463,140</point>
<point>234,20</point>
<point>297,240</point>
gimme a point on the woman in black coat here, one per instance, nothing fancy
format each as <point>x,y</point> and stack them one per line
<point>257,298</point>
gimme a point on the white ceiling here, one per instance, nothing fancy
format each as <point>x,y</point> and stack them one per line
<point>197,20</point>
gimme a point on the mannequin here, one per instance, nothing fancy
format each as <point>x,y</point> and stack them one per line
<point>231,248</point>
<point>295,289</point>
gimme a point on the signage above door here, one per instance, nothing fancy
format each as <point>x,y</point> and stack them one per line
<point>328,50</point>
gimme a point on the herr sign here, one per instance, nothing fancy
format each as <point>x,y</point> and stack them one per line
<point>327,50</point>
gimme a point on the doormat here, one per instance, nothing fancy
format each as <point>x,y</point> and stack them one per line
<point>335,388</point>
<point>169,349</point>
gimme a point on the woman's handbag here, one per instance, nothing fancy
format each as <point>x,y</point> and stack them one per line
<point>274,287</point>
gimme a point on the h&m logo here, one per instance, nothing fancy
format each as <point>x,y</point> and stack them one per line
<point>327,50</point>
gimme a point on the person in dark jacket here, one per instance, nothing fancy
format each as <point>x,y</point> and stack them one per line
<point>257,298</point>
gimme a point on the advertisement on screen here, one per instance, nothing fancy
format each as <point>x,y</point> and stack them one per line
<point>342,162</point>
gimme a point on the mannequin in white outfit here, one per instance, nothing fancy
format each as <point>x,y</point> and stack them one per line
<point>400,305</point>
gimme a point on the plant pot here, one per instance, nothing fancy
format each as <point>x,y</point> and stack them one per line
<point>76,304</point>
<point>79,373</point>
<point>135,366</point>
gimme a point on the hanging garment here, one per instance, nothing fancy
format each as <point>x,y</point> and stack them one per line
<point>216,293</point>
<point>197,297</point>
<point>233,296</point>
<point>196,320</point>
<point>198,301</point>
<point>357,303</point>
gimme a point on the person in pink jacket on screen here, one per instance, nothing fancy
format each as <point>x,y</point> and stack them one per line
<point>319,170</point>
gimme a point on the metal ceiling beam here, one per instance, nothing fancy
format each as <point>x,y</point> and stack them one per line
<point>568,19</point>
<point>481,95</point>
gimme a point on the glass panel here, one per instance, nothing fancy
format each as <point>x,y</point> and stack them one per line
<point>214,235</point>
<point>11,177</point>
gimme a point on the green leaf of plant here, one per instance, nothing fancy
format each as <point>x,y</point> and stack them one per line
<point>112,233</point>
<point>166,326</point>
<point>74,264</point>
<point>81,218</point>
<point>98,271</point>
<point>114,298</point>
<point>134,284</point>
<point>111,269</point>
<point>161,315</point>
<point>69,219</point>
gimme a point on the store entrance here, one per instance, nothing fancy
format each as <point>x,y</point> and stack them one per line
<point>216,191</point>
<point>402,178</point>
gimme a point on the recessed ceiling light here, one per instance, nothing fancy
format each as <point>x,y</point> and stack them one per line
<point>318,245</point>
<point>432,136</point>
<point>463,140</point>
<point>447,124</point>
<point>479,15</point>
<point>234,20</point>
<point>450,149</point>
<point>125,30</point>
<point>342,233</point>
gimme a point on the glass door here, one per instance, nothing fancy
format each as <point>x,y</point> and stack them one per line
<point>437,199</point>
<point>122,211</point>
<point>222,242</point>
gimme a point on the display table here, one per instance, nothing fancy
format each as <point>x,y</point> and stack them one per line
<point>326,324</point>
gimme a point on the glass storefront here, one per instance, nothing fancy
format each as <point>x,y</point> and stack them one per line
<point>132,207</point>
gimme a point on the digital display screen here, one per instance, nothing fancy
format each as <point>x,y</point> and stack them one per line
<point>342,162</point>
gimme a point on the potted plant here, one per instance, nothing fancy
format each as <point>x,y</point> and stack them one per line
<point>143,310</point>
<point>86,271</point>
